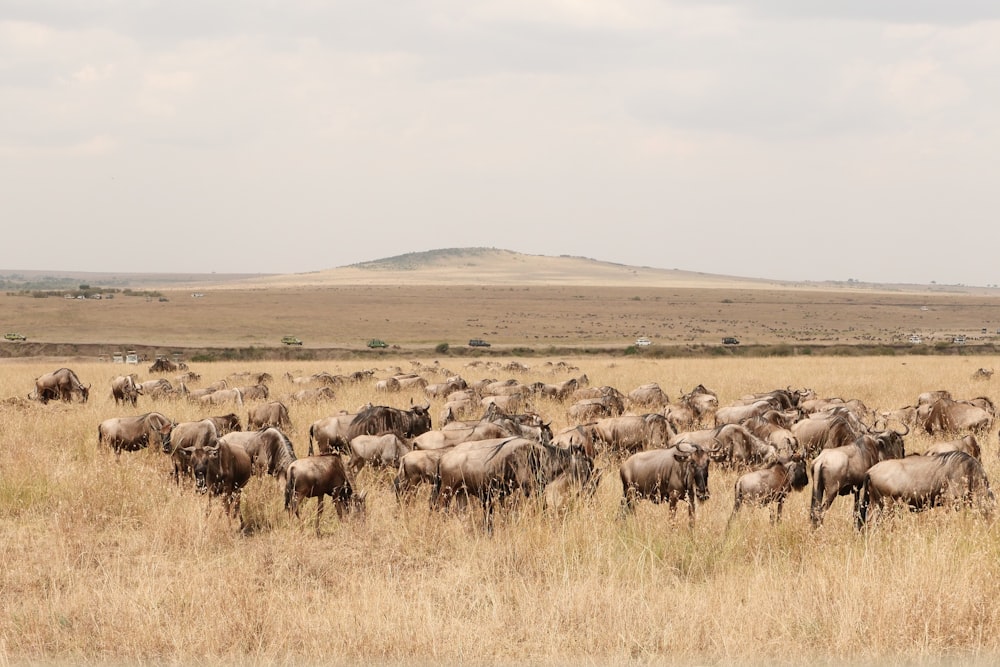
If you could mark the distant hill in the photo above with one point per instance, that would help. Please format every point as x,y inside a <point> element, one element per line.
<point>464,266</point>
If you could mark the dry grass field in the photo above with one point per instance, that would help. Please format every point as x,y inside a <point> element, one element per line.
<point>110,562</point>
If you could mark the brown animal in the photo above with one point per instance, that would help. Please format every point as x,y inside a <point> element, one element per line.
<point>331,434</point>
<point>648,395</point>
<point>131,434</point>
<point>317,477</point>
<point>416,467</point>
<point>273,413</point>
<point>445,438</point>
<point>226,423</point>
<point>125,390</point>
<point>922,482</point>
<point>732,445</point>
<point>380,451</point>
<point>62,384</point>
<point>493,470</point>
<point>621,436</point>
<point>379,419</point>
<point>771,485</point>
<point>313,395</point>
<point>841,470</point>
<point>255,392</point>
<point>967,444</point>
<point>950,416</point>
<point>680,472</point>
<point>222,470</point>
<point>185,437</point>
<point>270,450</point>
<point>223,397</point>
<point>827,430</point>
<point>160,388</point>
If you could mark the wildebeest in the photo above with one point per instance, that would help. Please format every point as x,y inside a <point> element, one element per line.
<point>828,430</point>
<point>841,470</point>
<point>269,449</point>
<point>226,423</point>
<point>620,436</point>
<point>379,419</point>
<point>319,476</point>
<point>254,392</point>
<point>967,444</point>
<point>922,482</point>
<point>732,445</point>
<point>679,472</point>
<point>221,470</point>
<point>379,451</point>
<point>131,434</point>
<point>313,395</point>
<point>125,390</point>
<point>648,395</point>
<point>416,467</point>
<point>492,470</point>
<point>950,416</point>
<point>440,439</point>
<point>331,434</point>
<point>160,388</point>
<point>272,413</point>
<point>771,485</point>
<point>223,397</point>
<point>591,409</point>
<point>164,365</point>
<point>61,384</point>
<point>185,437</point>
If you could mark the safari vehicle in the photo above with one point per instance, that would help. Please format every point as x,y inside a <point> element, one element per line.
<point>291,340</point>
<point>643,342</point>
<point>730,340</point>
<point>376,342</point>
<point>478,342</point>
<point>14,336</point>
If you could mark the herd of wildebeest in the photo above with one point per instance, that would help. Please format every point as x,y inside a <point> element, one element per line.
<point>491,445</point>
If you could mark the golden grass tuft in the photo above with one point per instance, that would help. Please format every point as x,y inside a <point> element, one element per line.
<point>111,562</point>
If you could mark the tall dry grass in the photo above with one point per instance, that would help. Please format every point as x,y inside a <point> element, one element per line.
<point>110,562</point>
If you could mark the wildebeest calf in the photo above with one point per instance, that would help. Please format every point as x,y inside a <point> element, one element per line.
<point>319,476</point>
<point>771,485</point>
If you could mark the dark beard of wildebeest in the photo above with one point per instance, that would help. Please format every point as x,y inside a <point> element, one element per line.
<point>222,470</point>
<point>493,470</point>
<point>61,384</point>
<point>922,482</point>
<point>381,419</point>
<point>841,470</point>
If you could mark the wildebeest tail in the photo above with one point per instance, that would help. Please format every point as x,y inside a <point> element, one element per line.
<point>289,487</point>
<point>863,502</point>
<point>311,427</point>
<point>817,490</point>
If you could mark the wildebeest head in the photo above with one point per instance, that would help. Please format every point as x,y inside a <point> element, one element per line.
<point>202,460</point>
<point>696,459</point>
<point>798,475</point>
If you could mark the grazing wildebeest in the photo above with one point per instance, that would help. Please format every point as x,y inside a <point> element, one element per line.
<point>330,434</point>
<point>125,390</point>
<point>733,445</point>
<point>771,485</point>
<point>222,397</point>
<point>922,482</point>
<point>379,419</point>
<point>625,435</point>
<point>222,470</point>
<point>226,423</point>
<point>380,451</point>
<point>492,470</point>
<point>648,395</point>
<point>319,476</point>
<point>160,388</point>
<point>61,384</point>
<point>841,470</point>
<point>416,467</point>
<point>270,450</point>
<point>680,472</point>
<point>163,365</point>
<point>131,434</point>
<point>313,395</point>
<point>255,392</point>
<point>967,444</point>
<point>272,413</point>
<point>951,416</point>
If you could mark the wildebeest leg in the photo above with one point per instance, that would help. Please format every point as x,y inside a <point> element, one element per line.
<point>776,517</point>
<point>319,512</point>
<point>628,502</point>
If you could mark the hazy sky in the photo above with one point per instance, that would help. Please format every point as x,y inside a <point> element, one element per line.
<point>786,139</point>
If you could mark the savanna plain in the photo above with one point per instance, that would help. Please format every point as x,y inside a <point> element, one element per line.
<point>111,562</point>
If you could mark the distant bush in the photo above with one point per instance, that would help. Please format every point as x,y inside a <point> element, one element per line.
<point>441,348</point>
